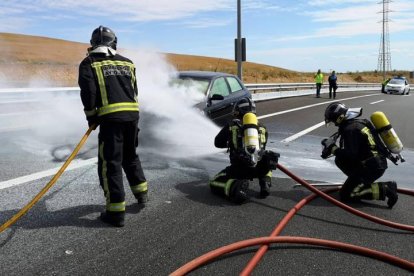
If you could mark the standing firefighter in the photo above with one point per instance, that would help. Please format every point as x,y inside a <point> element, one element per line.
<point>109,94</point>
<point>246,140</point>
<point>359,156</point>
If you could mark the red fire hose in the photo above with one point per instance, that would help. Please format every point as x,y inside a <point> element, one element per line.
<point>344,206</point>
<point>405,264</point>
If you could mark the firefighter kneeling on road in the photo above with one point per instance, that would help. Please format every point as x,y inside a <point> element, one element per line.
<point>358,155</point>
<point>246,140</point>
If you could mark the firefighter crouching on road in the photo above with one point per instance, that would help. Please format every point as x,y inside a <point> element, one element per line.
<point>357,156</point>
<point>109,95</point>
<point>246,140</point>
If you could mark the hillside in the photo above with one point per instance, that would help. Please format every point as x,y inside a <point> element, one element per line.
<point>32,60</point>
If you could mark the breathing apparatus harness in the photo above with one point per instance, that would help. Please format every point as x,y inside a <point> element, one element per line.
<point>248,140</point>
<point>387,142</point>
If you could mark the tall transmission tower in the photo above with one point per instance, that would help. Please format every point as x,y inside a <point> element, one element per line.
<point>384,57</point>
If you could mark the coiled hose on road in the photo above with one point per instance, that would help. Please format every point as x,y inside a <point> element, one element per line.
<point>265,241</point>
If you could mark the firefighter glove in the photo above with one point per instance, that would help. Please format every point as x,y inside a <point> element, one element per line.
<point>93,122</point>
<point>273,158</point>
<point>329,147</point>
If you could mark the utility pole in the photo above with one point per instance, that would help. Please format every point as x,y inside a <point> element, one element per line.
<point>239,42</point>
<point>384,56</point>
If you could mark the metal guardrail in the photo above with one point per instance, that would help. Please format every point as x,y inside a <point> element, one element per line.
<point>35,97</point>
<point>253,87</point>
<point>259,91</point>
<point>269,91</point>
<point>276,87</point>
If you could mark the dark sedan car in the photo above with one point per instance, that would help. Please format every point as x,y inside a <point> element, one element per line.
<point>221,92</point>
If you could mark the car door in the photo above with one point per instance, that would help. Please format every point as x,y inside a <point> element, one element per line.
<point>219,110</point>
<point>237,89</point>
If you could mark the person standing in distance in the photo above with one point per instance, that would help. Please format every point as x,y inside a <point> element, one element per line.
<point>109,95</point>
<point>318,81</point>
<point>332,85</point>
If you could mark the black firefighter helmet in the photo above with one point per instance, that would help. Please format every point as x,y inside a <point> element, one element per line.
<point>244,106</point>
<point>337,113</point>
<point>103,36</point>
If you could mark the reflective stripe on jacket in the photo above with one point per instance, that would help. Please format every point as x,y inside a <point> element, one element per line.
<point>108,87</point>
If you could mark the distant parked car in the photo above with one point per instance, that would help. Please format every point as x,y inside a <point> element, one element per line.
<point>397,85</point>
<point>221,91</point>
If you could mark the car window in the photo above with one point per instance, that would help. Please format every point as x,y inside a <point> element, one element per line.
<point>199,85</point>
<point>234,84</point>
<point>220,87</point>
<point>396,81</point>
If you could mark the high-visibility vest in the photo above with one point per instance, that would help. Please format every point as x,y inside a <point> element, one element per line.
<point>319,78</point>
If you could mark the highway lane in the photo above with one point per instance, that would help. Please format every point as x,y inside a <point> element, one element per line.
<point>305,112</point>
<point>61,235</point>
<point>397,108</point>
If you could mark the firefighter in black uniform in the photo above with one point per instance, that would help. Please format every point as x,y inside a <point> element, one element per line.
<point>357,156</point>
<point>246,141</point>
<point>109,95</point>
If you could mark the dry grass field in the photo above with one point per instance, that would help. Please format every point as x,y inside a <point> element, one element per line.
<point>32,60</point>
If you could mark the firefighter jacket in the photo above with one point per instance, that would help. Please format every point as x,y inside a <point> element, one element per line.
<point>231,137</point>
<point>357,144</point>
<point>108,88</point>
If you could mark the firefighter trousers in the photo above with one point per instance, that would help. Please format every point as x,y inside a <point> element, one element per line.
<point>360,183</point>
<point>117,150</point>
<point>222,182</point>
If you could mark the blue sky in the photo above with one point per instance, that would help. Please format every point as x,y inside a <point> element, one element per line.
<point>300,35</point>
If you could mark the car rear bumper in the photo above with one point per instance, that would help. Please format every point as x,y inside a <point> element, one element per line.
<point>392,91</point>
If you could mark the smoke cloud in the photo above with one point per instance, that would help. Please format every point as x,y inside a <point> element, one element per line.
<point>168,112</point>
<point>53,123</point>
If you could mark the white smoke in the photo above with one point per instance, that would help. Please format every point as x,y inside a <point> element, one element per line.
<point>50,121</point>
<point>169,123</point>
<point>181,128</point>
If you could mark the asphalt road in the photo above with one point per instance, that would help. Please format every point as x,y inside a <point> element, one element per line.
<point>61,235</point>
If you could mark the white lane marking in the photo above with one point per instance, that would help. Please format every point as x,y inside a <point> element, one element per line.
<point>376,102</point>
<point>303,132</point>
<point>312,105</point>
<point>27,178</point>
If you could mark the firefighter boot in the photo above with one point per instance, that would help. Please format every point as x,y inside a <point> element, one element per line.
<point>265,184</point>
<point>391,193</point>
<point>142,197</point>
<point>238,191</point>
<point>116,219</point>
